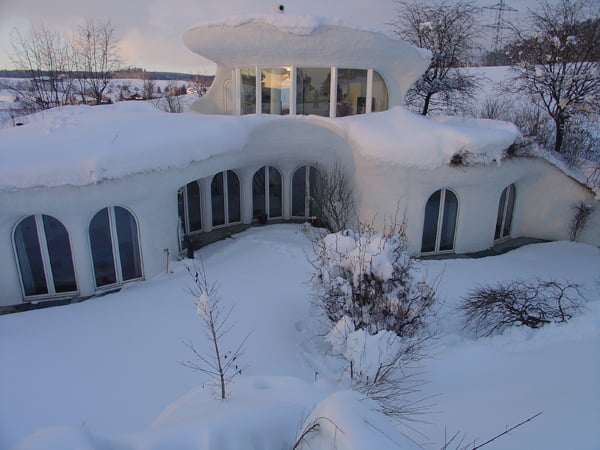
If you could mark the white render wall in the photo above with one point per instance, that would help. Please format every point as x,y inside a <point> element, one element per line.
<point>543,207</point>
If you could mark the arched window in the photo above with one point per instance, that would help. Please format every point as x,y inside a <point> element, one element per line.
<point>225,198</point>
<point>44,255</point>
<point>267,192</point>
<point>115,246</point>
<point>306,186</point>
<point>440,222</point>
<point>190,207</point>
<point>506,205</point>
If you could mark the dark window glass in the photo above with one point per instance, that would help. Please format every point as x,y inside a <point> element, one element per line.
<point>102,251</point>
<point>500,216</point>
<point>275,193</point>
<point>510,204</point>
<point>258,193</point>
<point>59,252</point>
<point>312,91</point>
<point>314,182</point>
<point>233,197</point>
<point>299,192</point>
<point>30,257</point>
<point>129,250</point>
<point>432,210</point>
<point>217,193</point>
<point>181,211</point>
<point>448,221</point>
<point>193,206</point>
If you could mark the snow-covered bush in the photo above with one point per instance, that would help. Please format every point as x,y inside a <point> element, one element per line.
<point>490,309</point>
<point>370,278</point>
<point>381,310</point>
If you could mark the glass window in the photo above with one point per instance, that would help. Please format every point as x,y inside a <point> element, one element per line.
<point>267,192</point>
<point>102,252</point>
<point>225,198</point>
<point>258,193</point>
<point>351,92</point>
<point>44,256</point>
<point>379,101</point>
<point>248,90</point>
<point>306,183</point>
<point>59,254</point>
<point>114,240</point>
<point>439,226</point>
<point>506,205</point>
<point>129,250</point>
<point>275,193</point>
<point>275,91</point>
<point>217,193</point>
<point>233,197</point>
<point>29,255</point>
<point>194,210</point>
<point>312,91</point>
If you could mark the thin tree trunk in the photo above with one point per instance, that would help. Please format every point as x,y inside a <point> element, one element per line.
<point>425,109</point>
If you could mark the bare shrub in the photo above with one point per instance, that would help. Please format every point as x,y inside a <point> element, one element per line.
<point>335,199</point>
<point>219,364</point>
<point>582,213</point>
<point>490,309</point>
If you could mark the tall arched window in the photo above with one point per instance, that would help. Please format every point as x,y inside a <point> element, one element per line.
<point>44,255</point>
<point>225,198</point>
<point>440,222</point>
<point>506,205</point>
<point>267,192</point>
<point>115,246</point>
<point>190,207</point>
<point>306,186</point>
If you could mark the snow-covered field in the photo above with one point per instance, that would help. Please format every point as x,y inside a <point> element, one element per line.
<point>104,373</point>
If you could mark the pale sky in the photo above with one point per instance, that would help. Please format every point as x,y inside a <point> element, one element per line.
<point>150,31</point>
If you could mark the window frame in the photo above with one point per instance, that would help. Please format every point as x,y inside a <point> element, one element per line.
<point>46,261</point>
<point>267,192</point>
<point>440,222</point>
<point>112,223</point>
<point>511,188</point>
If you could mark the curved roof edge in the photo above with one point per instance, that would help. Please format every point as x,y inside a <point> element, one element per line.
<point>277,40</point>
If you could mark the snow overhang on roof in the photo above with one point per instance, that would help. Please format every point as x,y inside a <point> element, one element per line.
<point>280,40</point>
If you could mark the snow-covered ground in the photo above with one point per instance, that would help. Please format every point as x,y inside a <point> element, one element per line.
<point>104,373</point>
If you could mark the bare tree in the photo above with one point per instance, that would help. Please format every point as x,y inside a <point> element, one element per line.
<point>46,59</point>
<point>557,63</point>
<point>217,363</point>
<point>170,100</point>
<point>96,57</point>
<point>449,30</point>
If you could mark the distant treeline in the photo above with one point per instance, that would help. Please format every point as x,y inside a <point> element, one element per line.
<point>131,73</point>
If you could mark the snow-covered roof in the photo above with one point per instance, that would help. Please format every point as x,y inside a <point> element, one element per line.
<point>280,40</point>
<point>80,145</point>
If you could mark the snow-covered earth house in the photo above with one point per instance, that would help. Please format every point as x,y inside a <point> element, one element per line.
<point>94,197</point>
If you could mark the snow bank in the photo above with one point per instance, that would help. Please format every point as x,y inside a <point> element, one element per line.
<point>80,145</point>
<point>399,136</point>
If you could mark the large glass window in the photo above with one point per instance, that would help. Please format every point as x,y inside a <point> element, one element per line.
<point>44,256</point>
<point>190,207</point>
<point>267,192</point>
<point>312,91</point>
<point>275,83</point>
<point>379,101</point>
<point>225,198</point>
<point>439,226</point>
<point>506,205</point>
<point>248,91</point>
<point>351,92</point>
<point>115,246</point>
<point>306,187</point>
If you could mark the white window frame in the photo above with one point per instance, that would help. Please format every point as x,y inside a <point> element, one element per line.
<point>440,222</point>
<point>226,199</point>
<point>41,235</point>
